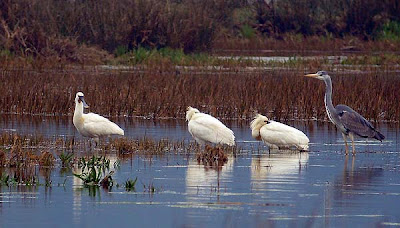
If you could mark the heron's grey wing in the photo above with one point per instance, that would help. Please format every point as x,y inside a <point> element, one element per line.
<point>354,122</point>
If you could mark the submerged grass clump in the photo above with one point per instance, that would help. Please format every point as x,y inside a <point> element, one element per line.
<point>66,159</point>
<point>130,185</point>
<point>46,159</point>
<point>212,156</point>
<point>93,169</point>
<point>148,146</point>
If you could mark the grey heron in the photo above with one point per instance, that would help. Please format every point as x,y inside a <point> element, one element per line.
<point>348,121</point>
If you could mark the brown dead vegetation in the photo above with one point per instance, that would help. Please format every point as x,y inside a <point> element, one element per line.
<point>281,94</point>
<point>212,156</point>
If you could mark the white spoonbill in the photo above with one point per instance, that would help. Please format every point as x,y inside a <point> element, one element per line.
<point>278,135</point>
<point>207,129</point>
<point>92,125</point>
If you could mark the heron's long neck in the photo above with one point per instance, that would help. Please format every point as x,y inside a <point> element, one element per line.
<point>328,99</point>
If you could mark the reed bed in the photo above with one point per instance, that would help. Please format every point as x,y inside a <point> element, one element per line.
<point>232,93</point>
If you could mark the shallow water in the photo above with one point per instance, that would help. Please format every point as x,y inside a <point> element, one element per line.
<point>322,187</point>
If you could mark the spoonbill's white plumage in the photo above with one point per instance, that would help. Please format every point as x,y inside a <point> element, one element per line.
<point>92,125</point>
<point>207,129</point>
<point>278,135</point>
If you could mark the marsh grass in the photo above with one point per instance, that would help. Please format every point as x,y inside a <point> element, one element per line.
<point>21,162</point>
<point>46,159</point>
<point>384,59</point>
<point>390,31</point>
<point>281,93</point>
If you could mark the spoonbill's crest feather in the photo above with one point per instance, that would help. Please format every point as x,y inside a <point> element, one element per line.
<point>278,135</point>
<point>206,128</point>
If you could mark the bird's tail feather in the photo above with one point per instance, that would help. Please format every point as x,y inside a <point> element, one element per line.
<point>379,136</point>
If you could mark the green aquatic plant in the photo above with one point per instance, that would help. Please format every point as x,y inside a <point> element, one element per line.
<point>66,159</point>
<point>92,170</point>
<point>100,162</point>
<point>149,188</point>
<point>4,179</point>
<point>390,31</point>
<point>107,181</point>
<point>247,31</point>
<point>90,177</point>
<point>130,184</point>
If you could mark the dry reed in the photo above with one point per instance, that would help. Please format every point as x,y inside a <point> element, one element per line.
<point>235,94</point>
<point>212,156</point>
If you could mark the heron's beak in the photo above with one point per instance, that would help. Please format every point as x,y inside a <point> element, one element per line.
<point>84,102</point>
<point>311,75</point>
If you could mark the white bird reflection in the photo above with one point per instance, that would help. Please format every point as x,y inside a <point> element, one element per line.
<point>201,180</point>
<point>271,169</point>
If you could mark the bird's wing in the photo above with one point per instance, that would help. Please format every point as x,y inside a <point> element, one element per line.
<point>354,122</point>
<point>98,125</point>
<point>93,118</point>
<point>282,135</point>
<point>208,128</point>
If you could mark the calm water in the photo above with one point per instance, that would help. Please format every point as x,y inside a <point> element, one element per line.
<point>320,188</point>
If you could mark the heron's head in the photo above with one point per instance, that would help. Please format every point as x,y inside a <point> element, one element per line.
<point>190,112</point>
<point>321,75</point>
<point>80,98</point>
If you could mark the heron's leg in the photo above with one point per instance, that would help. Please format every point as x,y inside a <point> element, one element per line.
<point>352,143</point>
<point>345,143</point>
<point>352,164</point>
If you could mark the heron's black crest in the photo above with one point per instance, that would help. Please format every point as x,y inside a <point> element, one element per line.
<point>322,73</point>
